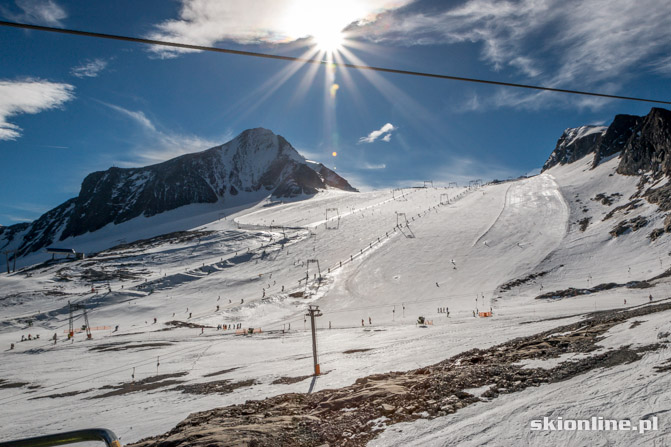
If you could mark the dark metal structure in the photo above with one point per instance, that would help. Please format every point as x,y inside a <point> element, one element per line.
<point>71,437</point>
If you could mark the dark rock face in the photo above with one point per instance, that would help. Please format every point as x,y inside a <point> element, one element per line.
<point>649,147</point>
<point>255,161</point>
<point>616,137</point>
<point>644,144</point>
<point>575,144</point>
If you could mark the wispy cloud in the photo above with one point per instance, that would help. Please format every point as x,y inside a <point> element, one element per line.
<point>28,96</point>
<point>584,45</point>
<point>17,219</point>
<point>159,145</point>
<point>205,22</point>
<point>373,166</point>
<point>37,12</point>
<point>384,132</point>
<point>89,68</point>
<point>136,115</point>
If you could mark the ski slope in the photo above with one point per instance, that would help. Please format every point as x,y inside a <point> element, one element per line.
<point>404,254</point>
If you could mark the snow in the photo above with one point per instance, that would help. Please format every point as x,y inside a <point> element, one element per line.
<point>456,255</point>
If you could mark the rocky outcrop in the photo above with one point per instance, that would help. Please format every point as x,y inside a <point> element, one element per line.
<point>574,144</point>
<point>649,146</point>
<point>643,142</point>
<point>616,136</point>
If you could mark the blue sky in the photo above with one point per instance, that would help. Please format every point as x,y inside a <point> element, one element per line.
<point>73,105</point>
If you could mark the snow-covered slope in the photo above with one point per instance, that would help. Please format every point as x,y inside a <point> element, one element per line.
<point>539,252</point>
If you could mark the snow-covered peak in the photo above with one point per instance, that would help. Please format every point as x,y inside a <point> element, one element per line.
<point>575,133</point>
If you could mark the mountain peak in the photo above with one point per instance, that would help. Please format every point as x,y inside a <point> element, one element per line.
<point>251,166</point>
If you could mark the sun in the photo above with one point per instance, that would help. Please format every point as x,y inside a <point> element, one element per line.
<point>329,40</point>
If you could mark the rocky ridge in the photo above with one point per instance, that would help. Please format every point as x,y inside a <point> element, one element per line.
<point>255,163</point>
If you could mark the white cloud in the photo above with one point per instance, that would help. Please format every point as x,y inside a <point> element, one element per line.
<point>89,69</point>
<point>385,130</point>
<point>37,12</point>
<point>18,219</point>
<point>28,96</point>
<point>138,116</point>
<point>373,166</point>
<point>205,22</point>
<point>570,44</point>
<point>159,145</point>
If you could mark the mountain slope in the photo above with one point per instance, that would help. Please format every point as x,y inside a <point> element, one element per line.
<point>254,164</point>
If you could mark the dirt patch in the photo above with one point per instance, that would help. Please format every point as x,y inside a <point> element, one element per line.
<point>218,373</point>
<point>626,208</point>
<point>4,384</point>
<point>317,419</point>
<point>571,292</point>
<point>583,223</point>
<point>607,199</point>
<point>664,367</point>
<point>216,387</point>
<point>124,347</point>
<point>354,351</point>
<point>54,396</point>
<point>289,380</point>
<point>623,227</point>
<point>148,384</point>
<point>177,323</point>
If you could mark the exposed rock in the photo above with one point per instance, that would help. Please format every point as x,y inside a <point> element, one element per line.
<point>574,144</point>
<point>623,227</point>
<point>583,223</point>
<point>616,137</point>
<point>649,146</point>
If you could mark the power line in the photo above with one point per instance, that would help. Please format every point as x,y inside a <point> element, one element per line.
<point>319,61</point>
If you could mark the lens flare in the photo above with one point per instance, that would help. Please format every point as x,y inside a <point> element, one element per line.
<point>334,90</point>
<point>335,154</point>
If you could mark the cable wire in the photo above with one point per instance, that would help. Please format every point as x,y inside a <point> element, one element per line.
<point>319,61</point>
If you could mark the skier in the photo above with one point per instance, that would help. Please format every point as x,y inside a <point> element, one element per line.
<point>361,324</point>
<point>370,321</point>
<point>217,308</point>
<point>189,314</point>
<point>650,297</point>
<point>625,301</point>
<point>437,285</point>
<point>155,320</point>
<point>11,346</point>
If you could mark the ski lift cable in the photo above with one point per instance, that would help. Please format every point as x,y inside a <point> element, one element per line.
<point>320,61</point>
